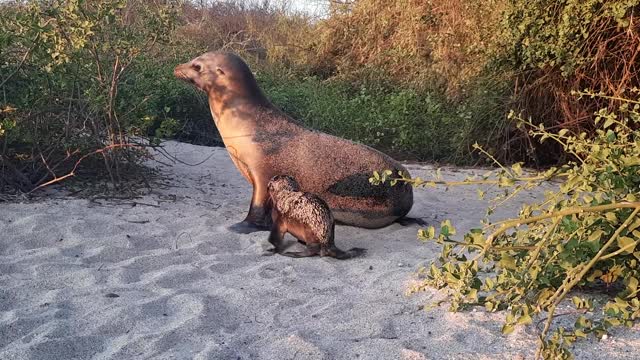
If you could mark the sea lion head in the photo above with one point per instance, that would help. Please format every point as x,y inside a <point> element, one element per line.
<point>280,183</point>
<point>220,74</point>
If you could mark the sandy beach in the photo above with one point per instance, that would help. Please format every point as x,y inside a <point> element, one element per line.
<point>161,277</point>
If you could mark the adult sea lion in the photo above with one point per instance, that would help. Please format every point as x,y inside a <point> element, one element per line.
<point>305,216</point>
<point>263,142</point>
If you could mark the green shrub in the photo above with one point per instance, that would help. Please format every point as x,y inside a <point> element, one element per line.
<point>565,34</point>
<point>437,45</point>
<point>66,66</point>
<point>583,235</point>
<point>558,47</point>
<point>168,109</point>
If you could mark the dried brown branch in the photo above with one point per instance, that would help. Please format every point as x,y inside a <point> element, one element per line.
<point>102,151</point>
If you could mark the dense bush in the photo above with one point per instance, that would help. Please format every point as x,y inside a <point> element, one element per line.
<point>413,106</point>
<point>167,108</point>
<point>558,47</point>
<point>421,84</point>
<point>437,44</point>
<point>64,68</point>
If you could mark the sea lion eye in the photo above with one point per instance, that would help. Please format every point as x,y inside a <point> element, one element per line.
<point>196,67</point>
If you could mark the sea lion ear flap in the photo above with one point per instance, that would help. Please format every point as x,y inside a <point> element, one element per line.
<point>219,71</point>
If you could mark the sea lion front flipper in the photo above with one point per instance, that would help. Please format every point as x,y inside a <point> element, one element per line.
<point>258,218</point>
<point>276,237</point>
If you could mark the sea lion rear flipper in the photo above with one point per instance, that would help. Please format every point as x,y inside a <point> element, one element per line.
<point>344,255</point>
<point>301,254</point>
<point>309,251</point>
<point>406,221</point>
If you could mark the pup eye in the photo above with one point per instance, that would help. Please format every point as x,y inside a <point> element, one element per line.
<point>196,67</point>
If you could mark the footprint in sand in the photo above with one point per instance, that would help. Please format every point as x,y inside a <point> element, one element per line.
<point>177,278</point>
<point>270,271</point>
<point>222,267</point>
<point>288,312</point>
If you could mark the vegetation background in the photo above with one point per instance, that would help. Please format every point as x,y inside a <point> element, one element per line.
<point>420,79</point>
<point>455,81</point>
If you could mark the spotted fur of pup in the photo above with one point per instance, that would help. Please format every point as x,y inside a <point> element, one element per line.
<point>306,211</point>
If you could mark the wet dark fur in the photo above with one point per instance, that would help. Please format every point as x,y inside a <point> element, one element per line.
<point>305,216</point>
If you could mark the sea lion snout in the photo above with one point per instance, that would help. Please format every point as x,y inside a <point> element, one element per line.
<point>185,72</point>
<point>196,72</point>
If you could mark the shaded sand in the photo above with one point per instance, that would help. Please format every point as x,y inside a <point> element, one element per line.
<point>162,278</point>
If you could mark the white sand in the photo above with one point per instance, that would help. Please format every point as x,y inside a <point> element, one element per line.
<point>188,288</point>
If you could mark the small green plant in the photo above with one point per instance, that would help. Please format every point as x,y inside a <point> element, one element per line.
<point>584,235</point>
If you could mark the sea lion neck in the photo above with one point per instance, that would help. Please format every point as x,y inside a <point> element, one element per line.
<point>223,100</point>
<point>225,108</point>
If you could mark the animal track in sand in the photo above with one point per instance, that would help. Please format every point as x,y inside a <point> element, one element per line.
<point>222,267</point>
<point>107,254</point>
<point>180,277</point>
<point>270,271</point>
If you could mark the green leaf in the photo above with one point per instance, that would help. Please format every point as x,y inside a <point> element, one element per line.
<point>505,181</point>
<point>517,168</point>
<point>507,329</point>
<point>608,122</point>
<point>632,285</point>
<point>626,243</point>
<point>447,229</point>
<point>524,320</point>
<point>489,306</point>
<point>507,262</point>
<point>596,235</point>
<point>580,333</point>
<point>427,234</point>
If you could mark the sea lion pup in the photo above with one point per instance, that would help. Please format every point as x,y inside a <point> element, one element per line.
<point>263,141</point>
<point>305,216</point>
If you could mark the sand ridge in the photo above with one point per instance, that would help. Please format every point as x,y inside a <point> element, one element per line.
<point>163,278</point>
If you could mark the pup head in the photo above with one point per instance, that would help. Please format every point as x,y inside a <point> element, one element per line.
<point>282,183</point>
